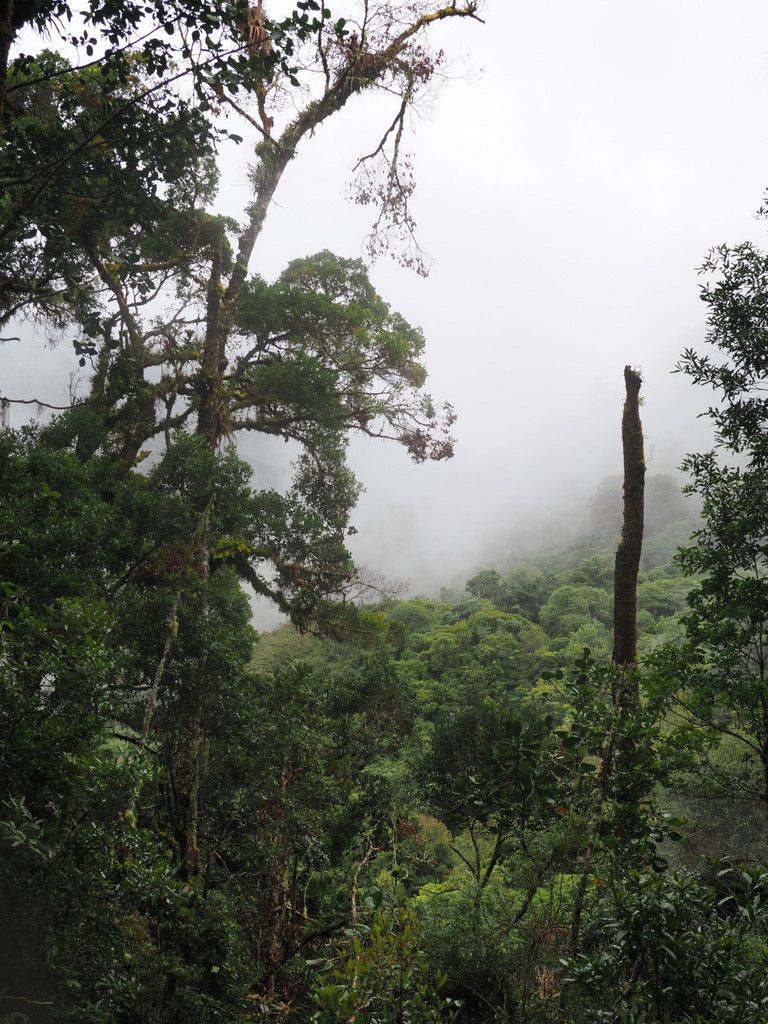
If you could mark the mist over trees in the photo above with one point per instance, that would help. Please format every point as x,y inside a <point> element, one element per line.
<point>510,804</point>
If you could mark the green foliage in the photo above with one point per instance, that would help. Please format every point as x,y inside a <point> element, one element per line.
<point>472,651</point>
<point>284,647</point>
<point>417,614</point>
<point>662,595</point>
<point>500,778</point>
<point>524,591</point>
<point>353,361</point>
<point>665,950</point>
<point>383,975</point>
<point>613,731</point>
<point>572,606</point>
<point>114,148</point>
<point>176,834</point>
<point>717,674</point>
<point>85,118</point>
<point>498,946</point>
<point>197,868</point>
<point>736,319</point>
<point>485,584</point>
<point>88,890</point>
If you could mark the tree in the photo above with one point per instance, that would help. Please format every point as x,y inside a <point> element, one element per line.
<point>111,109</point>
<point>111,238</point>
<point>631,543</point>
<point>221,350</point>
<point>664,951</point>
<point>101,146</point>
<point>135,26</point>
<point>493,773</point>
<point>485,585</point>
<point>308,359</point>
<point>571,606</point>
<point>158,803</point>
<point>718,675</point>
<point>383,973</point>
<point>80,879</point>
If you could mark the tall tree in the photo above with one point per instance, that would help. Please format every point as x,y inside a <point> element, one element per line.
<point>182,64</point>
<point>113,239</point>
<point>618,782</point>
<point>720,674</point>
<point>122,229</point>
<point>93,137</point>
<point>631,543</point>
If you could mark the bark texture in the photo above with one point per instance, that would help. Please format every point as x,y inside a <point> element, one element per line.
<point>627,564</point>
<point>615,768</point>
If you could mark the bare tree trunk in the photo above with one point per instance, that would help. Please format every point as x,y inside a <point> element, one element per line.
<point>626,688</point>
<point>631,543</point>
<point>616,758</point>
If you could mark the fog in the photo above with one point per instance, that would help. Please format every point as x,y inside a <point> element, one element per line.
<point>573,173</point>
<point>569,186</point>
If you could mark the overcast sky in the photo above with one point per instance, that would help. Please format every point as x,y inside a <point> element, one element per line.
<point>569,185</point>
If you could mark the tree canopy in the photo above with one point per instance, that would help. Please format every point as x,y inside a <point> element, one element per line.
<point>125,667</point>
<point>112,240</point>
<point>414,810</point>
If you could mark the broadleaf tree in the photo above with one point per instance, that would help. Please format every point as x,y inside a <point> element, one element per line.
<point>111,239</point>
<point>719,675</point>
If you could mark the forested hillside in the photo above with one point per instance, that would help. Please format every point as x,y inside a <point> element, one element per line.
<point>514,803</point>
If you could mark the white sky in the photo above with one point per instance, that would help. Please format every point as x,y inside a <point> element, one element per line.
<point>567,195</point>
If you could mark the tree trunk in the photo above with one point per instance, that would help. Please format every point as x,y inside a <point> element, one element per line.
<point>187,780</point>
<point>617,756</point>
<point>191,741</point>
<point>630,546</point>
<point>7,34</point>
<point>13,16</point>
<point>274,155</point>
<point>626,688</point>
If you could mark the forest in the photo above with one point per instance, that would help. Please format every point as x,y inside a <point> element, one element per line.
<point>539,796</point>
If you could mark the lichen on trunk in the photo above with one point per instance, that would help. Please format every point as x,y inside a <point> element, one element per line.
<point>627,564</point>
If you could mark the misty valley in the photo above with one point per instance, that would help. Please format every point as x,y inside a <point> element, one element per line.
<point>537,794</point>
